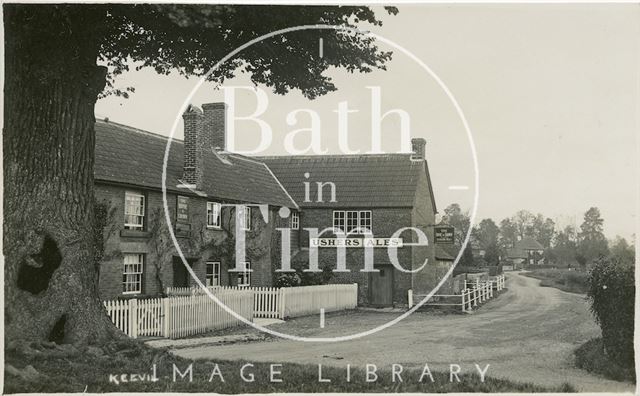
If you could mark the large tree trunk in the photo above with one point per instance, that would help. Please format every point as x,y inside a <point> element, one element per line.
<point>51,85</point>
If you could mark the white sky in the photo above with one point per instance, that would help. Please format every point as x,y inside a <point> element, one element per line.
<point>550,93</point>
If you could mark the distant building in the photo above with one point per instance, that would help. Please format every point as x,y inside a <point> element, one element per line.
<point>526,251</point>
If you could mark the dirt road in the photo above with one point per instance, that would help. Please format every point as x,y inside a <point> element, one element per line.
<point>528,334</point>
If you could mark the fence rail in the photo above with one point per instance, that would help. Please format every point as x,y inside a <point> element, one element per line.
<point>474,293</point>
<point>187,311</point>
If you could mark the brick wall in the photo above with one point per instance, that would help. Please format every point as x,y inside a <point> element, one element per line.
<point>385,222</point>
<point>423,217</point>
<point>201,245</point>
<point>214,126</point>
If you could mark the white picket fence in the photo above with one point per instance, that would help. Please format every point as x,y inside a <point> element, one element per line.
<point>473,294</point>
<point>188,311</point>
<point>175,317</point>
<point>307,300</point>
<point>191,315</point>
<point>290,302</point>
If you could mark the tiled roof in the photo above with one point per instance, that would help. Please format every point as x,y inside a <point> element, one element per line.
<point>521,247</point>
<point>374,180</point>
<point>131,156</point>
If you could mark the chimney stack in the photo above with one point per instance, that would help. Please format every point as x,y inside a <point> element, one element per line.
<point>194,146</point>
<point>418,149</point>
<point>215,125</point>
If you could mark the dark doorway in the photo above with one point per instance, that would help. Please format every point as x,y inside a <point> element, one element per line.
<point>381,286</point>
<point>181,277</point>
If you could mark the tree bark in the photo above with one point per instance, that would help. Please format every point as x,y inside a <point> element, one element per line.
<point>51,86</point>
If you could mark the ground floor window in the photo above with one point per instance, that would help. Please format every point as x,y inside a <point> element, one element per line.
<point>244,278</point>
<point>212,276</point>
<point>132,273</point>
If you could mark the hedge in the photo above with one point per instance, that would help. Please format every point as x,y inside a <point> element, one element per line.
<point>612,293</point>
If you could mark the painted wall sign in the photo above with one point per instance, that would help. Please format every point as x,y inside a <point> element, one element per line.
<point>356,242</point>
<point>444,234</point>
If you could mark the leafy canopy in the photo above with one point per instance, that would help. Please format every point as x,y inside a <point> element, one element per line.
<point>191,39</point>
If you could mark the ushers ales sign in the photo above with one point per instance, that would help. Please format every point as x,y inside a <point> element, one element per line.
<point>356,242</point>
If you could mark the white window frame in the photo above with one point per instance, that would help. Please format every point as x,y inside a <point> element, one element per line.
<point>213,275</point>
<point>132,273</point>
<point>127,210</point>
<point>365,221</point>
<point>354,221</point>
<point>246,218</point>
<point>214,214</point>
<point>245,275</point>
<point>295,221</point>
<point>339,220</point>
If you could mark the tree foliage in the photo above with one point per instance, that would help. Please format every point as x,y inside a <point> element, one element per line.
<point>592,243</point>
<point>565,246</point>
<point>192,38</point>
<point>622,251</point>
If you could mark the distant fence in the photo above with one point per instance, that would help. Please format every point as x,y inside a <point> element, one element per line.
<point>473,293</point>
<point>189,311</point>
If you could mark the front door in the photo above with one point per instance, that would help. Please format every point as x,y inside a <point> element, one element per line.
<point>381,286</point>
<point>180,274</point>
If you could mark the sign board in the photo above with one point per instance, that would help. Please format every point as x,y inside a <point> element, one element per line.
<point>444,234</point>
<point>183,210</point>
<point>356,242</point>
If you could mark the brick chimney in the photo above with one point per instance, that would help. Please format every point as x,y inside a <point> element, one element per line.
<point>215,125</point>
<point>418,149</point>
<point>194,145</point>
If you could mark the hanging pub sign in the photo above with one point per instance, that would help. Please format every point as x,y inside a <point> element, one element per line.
<point>444,234</point>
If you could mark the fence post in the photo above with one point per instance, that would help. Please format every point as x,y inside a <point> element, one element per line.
<point>281,301</point>
<point>464,308</point>
<point>166,324</point>
<point>410,298</point>
<point>475,297</point>
<point>490,290</point>
<point>133,318</point>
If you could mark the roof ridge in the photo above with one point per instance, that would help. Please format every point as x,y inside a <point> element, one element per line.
<point>107,121</point>
<point>318,156</point>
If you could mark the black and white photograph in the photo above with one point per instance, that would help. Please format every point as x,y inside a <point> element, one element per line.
<point>320,197</point>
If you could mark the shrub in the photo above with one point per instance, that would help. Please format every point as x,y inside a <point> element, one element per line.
<point>590,356</point>
<point>611,293</point>
<point>299,263</point>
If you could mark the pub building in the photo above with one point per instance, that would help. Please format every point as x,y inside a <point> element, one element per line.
<point>382,193</point>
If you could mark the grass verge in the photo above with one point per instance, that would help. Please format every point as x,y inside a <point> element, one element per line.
<point>571,281</point>
<point>52,368</point>
<point>590,356</point>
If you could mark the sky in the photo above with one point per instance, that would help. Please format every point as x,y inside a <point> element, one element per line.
<point>549,91</point>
